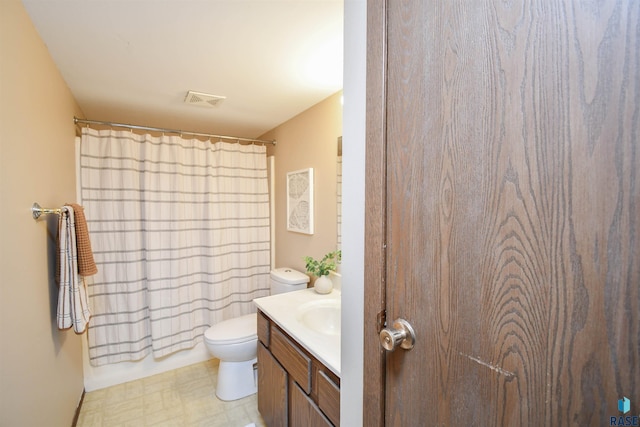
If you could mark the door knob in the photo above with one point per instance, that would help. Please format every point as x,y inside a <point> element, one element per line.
<point>401,334</point>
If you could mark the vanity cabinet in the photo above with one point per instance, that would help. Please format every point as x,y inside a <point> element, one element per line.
<point>294,388</point>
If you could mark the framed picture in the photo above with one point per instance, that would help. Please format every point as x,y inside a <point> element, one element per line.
<point>300,201</point>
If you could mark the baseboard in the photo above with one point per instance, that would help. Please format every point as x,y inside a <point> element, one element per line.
<point>78,409</point>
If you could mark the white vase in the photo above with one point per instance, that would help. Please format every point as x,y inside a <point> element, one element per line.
<point>323,285</point>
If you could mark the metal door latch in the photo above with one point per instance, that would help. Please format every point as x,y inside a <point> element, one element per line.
<point>401,335</point>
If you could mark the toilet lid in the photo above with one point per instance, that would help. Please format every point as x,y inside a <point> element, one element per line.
<point>236,330</point>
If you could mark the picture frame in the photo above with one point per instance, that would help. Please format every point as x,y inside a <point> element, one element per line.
<point>300,201</point>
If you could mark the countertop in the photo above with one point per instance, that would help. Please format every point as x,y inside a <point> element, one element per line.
<point>282,309</point>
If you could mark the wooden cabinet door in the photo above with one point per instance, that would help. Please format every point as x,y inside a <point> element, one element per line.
<point>303,412</point>
<point>272,389</point>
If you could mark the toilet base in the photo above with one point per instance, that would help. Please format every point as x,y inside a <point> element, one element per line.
<point>236,380</point>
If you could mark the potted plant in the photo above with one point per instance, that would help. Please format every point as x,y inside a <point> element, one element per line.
<point>321,270</point>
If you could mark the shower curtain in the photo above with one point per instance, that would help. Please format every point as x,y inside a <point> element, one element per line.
<point>180,232</point>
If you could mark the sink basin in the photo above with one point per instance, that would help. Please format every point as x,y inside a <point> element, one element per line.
<point>321,316</point>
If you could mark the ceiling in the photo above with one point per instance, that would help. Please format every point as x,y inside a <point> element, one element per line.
<point>133,61</point>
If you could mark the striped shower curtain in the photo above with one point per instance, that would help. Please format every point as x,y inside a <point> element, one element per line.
<point>180,232</point>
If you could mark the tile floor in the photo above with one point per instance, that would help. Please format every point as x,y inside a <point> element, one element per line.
<point>183,397</point>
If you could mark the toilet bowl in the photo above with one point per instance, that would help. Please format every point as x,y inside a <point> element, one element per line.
<point>235,341</point>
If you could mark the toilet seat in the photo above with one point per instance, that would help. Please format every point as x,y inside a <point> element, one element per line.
<point>233,331</point>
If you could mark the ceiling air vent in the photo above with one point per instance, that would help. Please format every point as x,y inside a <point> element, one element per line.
<point>203,99</point>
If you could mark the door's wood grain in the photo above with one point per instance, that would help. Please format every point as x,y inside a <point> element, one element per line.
<point>375,231</point>
<point>512,210</point>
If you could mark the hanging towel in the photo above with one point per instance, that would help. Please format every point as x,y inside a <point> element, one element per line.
<point>73,306</point>
<point>86,264</point>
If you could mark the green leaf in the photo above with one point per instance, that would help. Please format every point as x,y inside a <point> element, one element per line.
<point>323,267</point>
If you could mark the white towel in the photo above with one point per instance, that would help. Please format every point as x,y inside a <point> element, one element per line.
<point>73,306</point>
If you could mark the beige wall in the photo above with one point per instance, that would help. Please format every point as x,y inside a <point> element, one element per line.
<point>40,367</point>
<point>309,140</point>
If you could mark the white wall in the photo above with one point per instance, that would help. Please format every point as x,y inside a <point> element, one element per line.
<point>353,157</point>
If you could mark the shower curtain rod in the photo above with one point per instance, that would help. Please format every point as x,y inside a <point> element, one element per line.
<point>181,132</point>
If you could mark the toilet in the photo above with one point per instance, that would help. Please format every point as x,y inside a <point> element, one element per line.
<point>235,341</point>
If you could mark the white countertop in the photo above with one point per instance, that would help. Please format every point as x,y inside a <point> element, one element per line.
<point>282,309</point>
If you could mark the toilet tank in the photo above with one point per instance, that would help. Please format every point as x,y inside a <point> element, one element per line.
<point>286,280</point>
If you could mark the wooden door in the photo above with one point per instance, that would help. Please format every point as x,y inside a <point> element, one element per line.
<point>503,211</point>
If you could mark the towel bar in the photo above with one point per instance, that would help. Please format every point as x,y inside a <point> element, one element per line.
<point>36,210</point>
